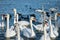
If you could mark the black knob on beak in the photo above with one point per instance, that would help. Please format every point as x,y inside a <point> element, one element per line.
<point>47,14</point>
<point>10,16</point>
<point>52,11</point>
<point>19,14</point>
<point>5,18</point>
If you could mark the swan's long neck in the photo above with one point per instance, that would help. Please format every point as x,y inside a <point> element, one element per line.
<point>15,14</point>
<point>51,29</point>
<point>55,16</point>
<point>2,22</point>
<point>56,21</point>
<point>7,21</point>
<point>44,26</point>
<point>44,18</point>
<point>31,26</point>
<point>45,33</point>
<point>17,18</point>
<point>16,21</point>
<point>18,30</point>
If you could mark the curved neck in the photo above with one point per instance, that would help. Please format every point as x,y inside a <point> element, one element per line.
<point>31,26</point>
<point>7,22</point>
<point>45,33</point>
<point>17,18</point>
<point>15,15</point>
<point>51,29</point>
<point>56,20</point>
<point>55,16</point>
<point>2,21</point>
<point>17,27</point>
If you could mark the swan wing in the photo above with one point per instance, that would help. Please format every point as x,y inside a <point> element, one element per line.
<point>47,37</point>
<point>39,27</point>
<point>23,23</point>
<point>10,33</point>
<point>27,33</point>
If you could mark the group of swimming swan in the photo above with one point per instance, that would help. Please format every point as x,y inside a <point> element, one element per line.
<point>28,31</point>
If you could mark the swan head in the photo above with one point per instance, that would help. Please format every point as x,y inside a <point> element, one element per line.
<point>40,11</point>
<point>33,18</point>
<point>14,10</point>
<point>5,16</point>
<point>53,10</point>
<point>46,22</point>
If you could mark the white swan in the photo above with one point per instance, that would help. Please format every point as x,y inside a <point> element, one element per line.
<point>53,31</point>
<point>9,33</point>
<point>39,27</point>
<point>18,26</point>
<point>15,15</point>
<point>18,32</point>
<point>21,24</point>
<point>27,32</point>
<point>46,35</point>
